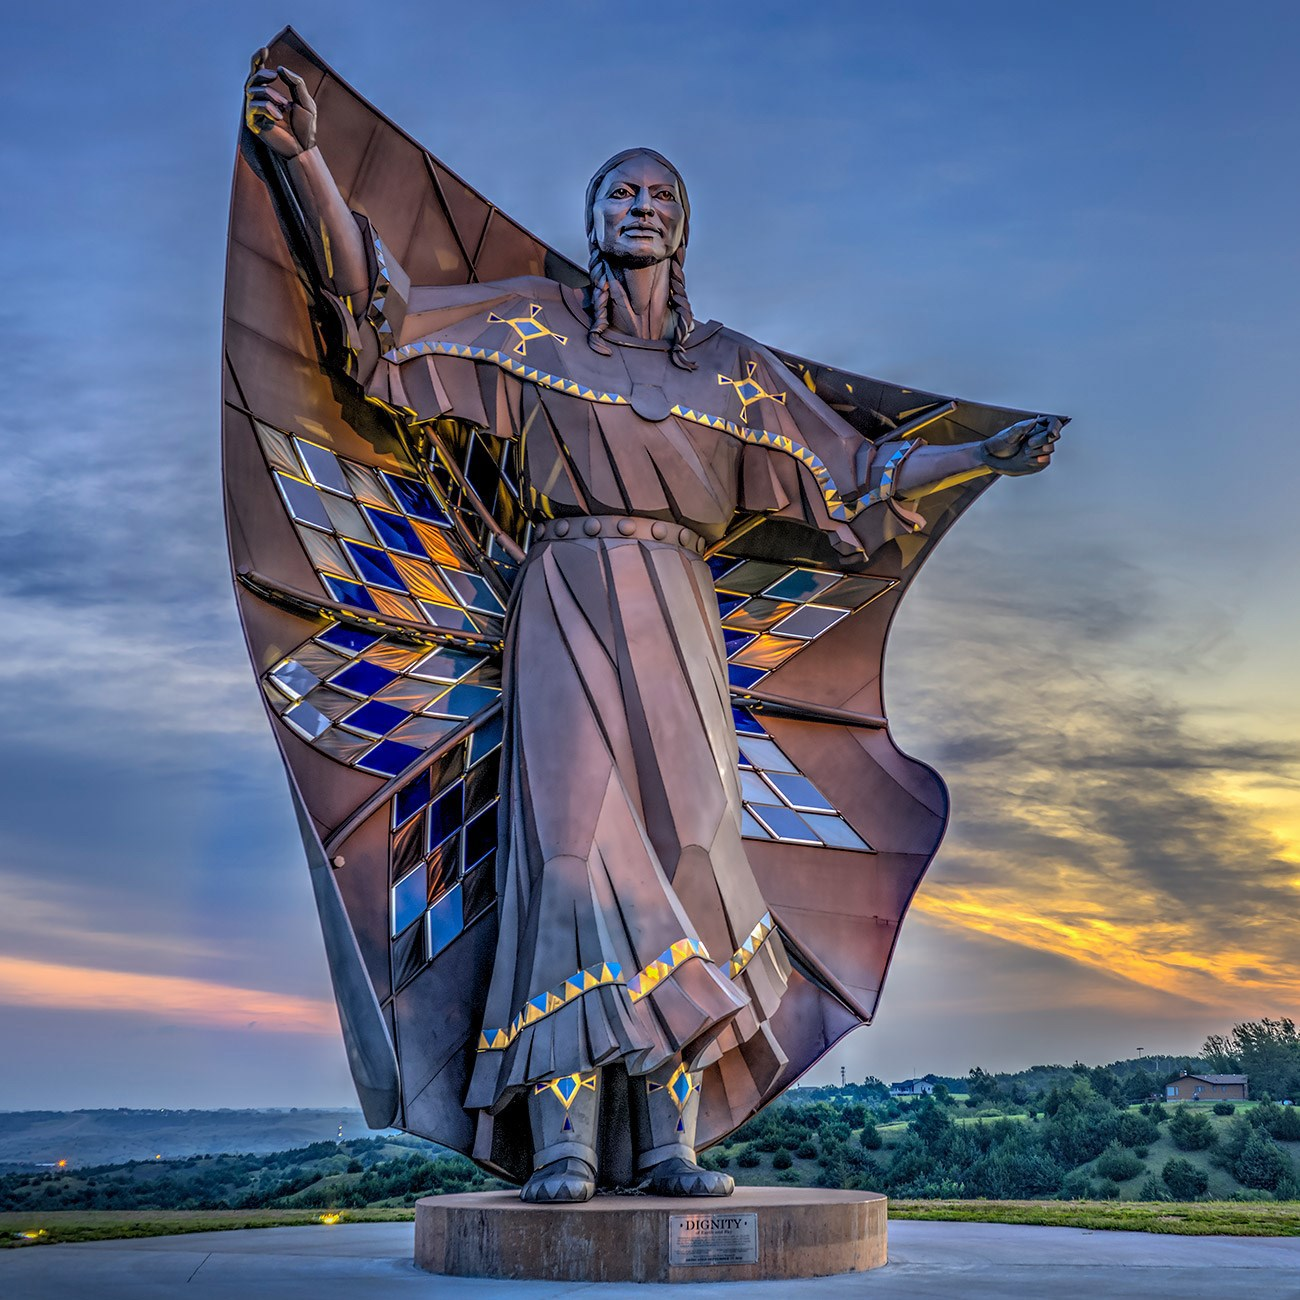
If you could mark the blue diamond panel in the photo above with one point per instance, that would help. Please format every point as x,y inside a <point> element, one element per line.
<point>388,758</point>
<point>394,531</point>
<point>446,921</point>
<point>415,499</point>
<point>409,899</point>
<point>363,678</point>
<point>349,640</point>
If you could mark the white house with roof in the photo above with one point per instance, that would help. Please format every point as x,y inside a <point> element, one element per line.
<point>911,1088</point>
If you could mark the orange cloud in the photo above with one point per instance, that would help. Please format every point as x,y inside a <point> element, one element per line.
<point>1178,958</point>
<point>171,998</point>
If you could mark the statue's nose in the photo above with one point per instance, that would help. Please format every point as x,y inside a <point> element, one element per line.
<point>641,205</point>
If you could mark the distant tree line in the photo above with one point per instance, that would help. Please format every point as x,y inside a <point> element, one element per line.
<point>1052,1131</point>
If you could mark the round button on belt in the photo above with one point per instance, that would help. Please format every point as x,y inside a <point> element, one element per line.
<point>592,527</point>
<point>562,528</point>
<point>627,527</point>
<point>659,530</point>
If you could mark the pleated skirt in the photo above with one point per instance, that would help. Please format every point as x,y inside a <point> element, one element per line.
<point>625,896</point>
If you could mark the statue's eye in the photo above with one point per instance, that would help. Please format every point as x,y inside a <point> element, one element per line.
<point>668,196</point>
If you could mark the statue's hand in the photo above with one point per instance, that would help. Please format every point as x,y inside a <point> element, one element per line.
<point>1024,448</point>
<point>287,123</point>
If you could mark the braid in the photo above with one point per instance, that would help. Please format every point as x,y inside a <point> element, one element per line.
<point>599,305</point>
<point>681,306</point>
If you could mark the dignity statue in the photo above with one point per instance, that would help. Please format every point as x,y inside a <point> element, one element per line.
<point>569,612</point>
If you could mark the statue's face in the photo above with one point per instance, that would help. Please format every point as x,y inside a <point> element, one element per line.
<point>638,213</point>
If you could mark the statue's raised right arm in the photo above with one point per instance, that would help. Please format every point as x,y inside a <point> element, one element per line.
<point>286,124</point>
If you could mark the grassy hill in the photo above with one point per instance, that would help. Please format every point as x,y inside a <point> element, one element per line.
<point>384,1172</point>
<point>96,1137</point>
<point>781,1153</point>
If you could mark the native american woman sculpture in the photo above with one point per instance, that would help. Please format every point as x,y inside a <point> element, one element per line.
<point>569,611</point>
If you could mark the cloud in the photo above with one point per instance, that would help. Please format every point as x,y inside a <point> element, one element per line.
<point>80,674</point>
<point>171,999</point>
<point>1098,814</point>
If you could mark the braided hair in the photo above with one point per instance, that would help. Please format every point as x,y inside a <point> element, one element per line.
<point>602,276</point>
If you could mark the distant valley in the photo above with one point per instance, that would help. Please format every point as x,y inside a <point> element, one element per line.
<point>101,1137</point>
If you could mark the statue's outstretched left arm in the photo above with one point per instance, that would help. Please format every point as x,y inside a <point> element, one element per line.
<point>916,471</point>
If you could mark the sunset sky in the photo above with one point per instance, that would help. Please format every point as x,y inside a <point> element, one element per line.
<point>1090,209</point>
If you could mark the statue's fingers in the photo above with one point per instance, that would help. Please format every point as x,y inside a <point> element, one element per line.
<point>297,88</point>
<point>263,78</point>
<point>258,59</point>
<point>265,95</point>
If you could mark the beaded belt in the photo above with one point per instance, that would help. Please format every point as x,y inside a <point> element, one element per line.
<point>581,528</point>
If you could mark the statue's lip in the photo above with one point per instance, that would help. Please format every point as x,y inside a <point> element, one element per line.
<point>641,230</point>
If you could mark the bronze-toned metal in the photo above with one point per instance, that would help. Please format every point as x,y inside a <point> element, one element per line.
<point>569,612</point>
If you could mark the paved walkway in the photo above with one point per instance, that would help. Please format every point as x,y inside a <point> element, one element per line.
<point>367,1261</point>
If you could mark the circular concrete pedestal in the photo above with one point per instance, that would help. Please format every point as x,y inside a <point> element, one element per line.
<point>758,1234</point>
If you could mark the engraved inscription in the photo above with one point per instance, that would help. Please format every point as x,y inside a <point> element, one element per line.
<point>701,1239</point>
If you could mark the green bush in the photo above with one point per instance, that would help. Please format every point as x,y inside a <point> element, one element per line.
<point>1107,1190</point>
<point>1153,1189</point>
<point>781,1159</point>
<point>871,1138</point>
<point>1141,1152</point>
<point>1262,1163</point>
<point>748,1159</point>
<point>806,1151</point>
<point>1132,1130</point>
<point>1191,1130</point>
<point>1286,1128</point>
<point>1224,1108</point>
<point>1184,1180</point>
<point>1118,1165</point>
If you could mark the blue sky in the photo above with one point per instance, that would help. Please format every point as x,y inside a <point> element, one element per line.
<point>1081,209</point>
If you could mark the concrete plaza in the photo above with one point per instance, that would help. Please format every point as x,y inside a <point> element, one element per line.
<point>941,1260</point>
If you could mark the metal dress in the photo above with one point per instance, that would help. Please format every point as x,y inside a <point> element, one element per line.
<point>631,927</point>
<point>695,832</point>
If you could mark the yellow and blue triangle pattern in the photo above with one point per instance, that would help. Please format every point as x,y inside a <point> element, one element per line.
<point>755,940</point>
<point>566,1087</point>
<point>680,1087</point>
<point>544,1004</point>
<point>644,981</point>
